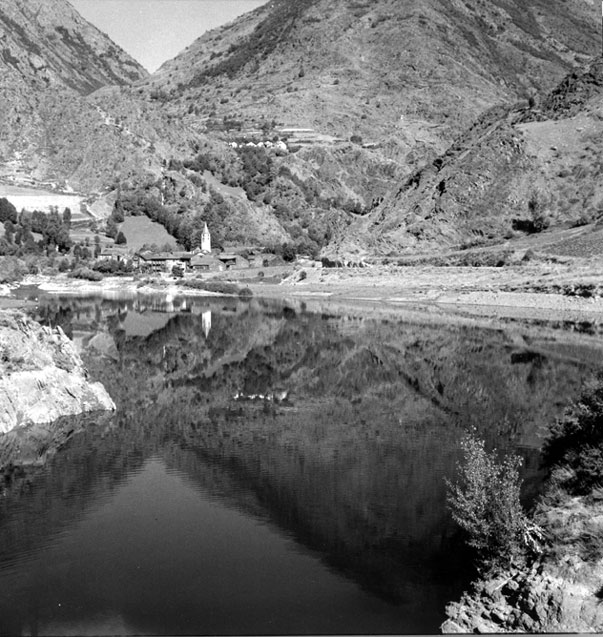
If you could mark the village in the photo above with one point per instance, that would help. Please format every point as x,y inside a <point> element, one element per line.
<point>177,262</point>
<point>204,259</point>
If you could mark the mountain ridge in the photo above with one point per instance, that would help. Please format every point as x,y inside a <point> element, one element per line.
<point>380,69</point>
<point>49,43</point>
<point>383,89</point>
<point>517,170</point>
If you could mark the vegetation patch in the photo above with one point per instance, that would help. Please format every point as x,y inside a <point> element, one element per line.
<point>485,504</point>
<point>218,287</point>
<point>141,230</point>
<point>86,273</point>
<point>574,449</point>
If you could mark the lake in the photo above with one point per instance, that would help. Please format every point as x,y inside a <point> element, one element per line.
<point>272,468</point>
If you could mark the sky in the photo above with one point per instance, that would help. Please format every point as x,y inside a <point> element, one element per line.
<point>153,31</point>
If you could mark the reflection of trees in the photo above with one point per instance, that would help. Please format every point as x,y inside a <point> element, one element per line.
<point>353,467</point>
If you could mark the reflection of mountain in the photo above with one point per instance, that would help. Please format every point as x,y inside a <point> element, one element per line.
<point>352,464</point>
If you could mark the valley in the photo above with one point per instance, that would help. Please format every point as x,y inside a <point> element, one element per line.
<point>303,257</point>
<point>352,117</point>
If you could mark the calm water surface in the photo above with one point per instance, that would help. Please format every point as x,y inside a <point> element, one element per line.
<point>270,468</point>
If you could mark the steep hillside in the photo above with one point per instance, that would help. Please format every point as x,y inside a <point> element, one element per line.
<point>378,70</point>
<point>50,44</point>
<point>50,59</point>
<point>343,99</point>
<point>363,94</point>
<point>514,172</point>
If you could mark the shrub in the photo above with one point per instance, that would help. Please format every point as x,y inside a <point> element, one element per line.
<point>86,274</point>
<point>220,287</point>
<point>575,442</point>
<point>245,293</point>
<point>486,504</point>
<point>12,269</point>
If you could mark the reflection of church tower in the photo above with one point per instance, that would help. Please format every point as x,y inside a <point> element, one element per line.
<point>205,239</point>
<point>206,322</point>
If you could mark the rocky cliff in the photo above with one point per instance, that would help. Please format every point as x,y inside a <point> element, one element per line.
<point>41,375</point>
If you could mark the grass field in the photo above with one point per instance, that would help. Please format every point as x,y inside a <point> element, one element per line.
<point>138,231</point>
<point>141,230</point>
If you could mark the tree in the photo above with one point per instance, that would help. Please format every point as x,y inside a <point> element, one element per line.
<point>288,252</point>
<point>9,230</point>
<point>486,504</point>
<point>67,218</point>
<point>25,219</point>
<point>56,234</point>
<point>7,211</point>
<point>118,212</point>
<point>38,221</point>
<point>120,239</point>
<point>28,243</point>
<point>574,445</point>
<point>111,230</point>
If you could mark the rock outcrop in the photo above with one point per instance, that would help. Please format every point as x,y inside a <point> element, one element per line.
<point>41,375</point>
<point>561,593</point>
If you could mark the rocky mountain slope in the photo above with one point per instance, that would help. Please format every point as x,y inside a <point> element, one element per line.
<point>398,79</point>
<point>50,59</point>
<point>49,43</point>
<point>516,171</point>
<point>41,375</point>
<point>383,88</point>
<point>412,72</point>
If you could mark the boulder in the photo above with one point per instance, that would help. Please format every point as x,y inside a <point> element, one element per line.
<point>41,375</point>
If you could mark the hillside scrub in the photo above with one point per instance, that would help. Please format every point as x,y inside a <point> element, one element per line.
<point>486,505</point>
<point>12,269</point>
<point>574,448</point>
<point>219,287</point>
<point>559,591</point>
<point>85,273</point>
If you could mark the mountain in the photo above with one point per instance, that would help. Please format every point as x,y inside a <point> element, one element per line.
<point>50,59</point>
<point>362,95</point>
<point>378,89</point>
<point>408,73</point>
<point>516,171</point>
<point>46,42</point>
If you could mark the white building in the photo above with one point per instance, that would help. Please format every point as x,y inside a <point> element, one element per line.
<point>205,240</point>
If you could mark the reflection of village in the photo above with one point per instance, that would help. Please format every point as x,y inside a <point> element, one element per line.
<point>204,335</point>
<point>140,316</point>
<point>97,326</point>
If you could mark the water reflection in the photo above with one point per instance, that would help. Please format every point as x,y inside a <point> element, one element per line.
<point>270,469</point>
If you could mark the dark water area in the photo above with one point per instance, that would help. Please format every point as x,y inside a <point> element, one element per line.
<point>272,468</point>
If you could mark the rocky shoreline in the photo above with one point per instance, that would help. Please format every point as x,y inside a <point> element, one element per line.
<point>41,375</point>
<point>561,592</point>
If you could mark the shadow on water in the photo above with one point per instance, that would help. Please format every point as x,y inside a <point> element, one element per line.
<point>332,431</point>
